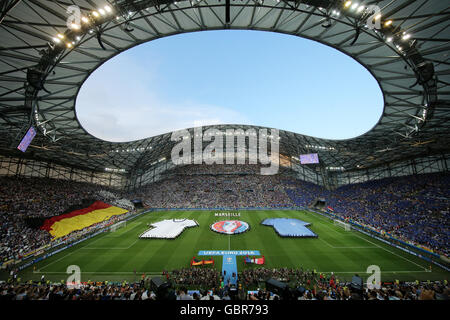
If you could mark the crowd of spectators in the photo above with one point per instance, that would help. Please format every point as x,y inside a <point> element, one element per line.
<point>215,187</point>
<point>57,292</point>
<point>22,199</point>
<point>414,208</point>
<point>302,193</point>
<point>198,277</point>
<point>302,284</point>
<point>213,169</point>
<point>311,285</point>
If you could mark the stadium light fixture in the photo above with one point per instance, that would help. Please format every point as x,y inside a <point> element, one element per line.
<point>56,40</point>
<point>347,4</point>
<point>406,36</point>
<point>108,9</point>
<point>85,19</point>
<point>59,35</point>
<point>95,14</point>
<point>75,26</point>
<point>102,11</point>
<point>360,8</point>
<point>354,6</point>
<point>388,23</point>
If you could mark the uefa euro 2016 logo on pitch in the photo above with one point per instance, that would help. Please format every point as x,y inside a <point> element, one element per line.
<point>230,226</point>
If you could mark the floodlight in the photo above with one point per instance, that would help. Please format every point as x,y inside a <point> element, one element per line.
<point>74,26</point>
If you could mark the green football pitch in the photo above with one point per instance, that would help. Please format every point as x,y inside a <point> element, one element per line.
<point>115,256</point>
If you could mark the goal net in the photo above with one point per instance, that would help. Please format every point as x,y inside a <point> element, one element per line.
<point>117,226</point>
<point>342,224</point>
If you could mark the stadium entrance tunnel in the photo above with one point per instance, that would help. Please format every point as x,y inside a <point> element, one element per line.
<point>229,77</point>
<point>319,204</point>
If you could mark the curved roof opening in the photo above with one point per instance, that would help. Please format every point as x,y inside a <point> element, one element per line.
<point>229,77</point>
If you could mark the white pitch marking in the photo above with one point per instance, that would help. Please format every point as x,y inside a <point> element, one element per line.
<point>392,253</point>
<point>347,247</point>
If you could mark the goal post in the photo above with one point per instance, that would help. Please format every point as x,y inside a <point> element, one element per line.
<point>117,226</point>
<point>342,224</point>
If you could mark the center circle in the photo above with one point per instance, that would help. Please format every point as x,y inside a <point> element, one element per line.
<point>230,226</point>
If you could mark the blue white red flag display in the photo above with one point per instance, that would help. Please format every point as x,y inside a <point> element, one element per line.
<point>254,260</point>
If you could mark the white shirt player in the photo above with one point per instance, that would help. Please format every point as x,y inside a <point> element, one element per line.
<point>168,229</point>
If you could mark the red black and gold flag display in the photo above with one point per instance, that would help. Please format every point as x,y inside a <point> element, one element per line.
<point>62,225</point>
<point>198,262</point>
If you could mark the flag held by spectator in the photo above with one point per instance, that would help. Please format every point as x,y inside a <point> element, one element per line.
<point>254,260</point>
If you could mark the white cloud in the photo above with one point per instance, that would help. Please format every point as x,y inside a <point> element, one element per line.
<point>120,109</point>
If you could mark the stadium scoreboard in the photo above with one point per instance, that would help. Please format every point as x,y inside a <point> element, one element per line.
<point>26,140</point>
<point>309,158</point>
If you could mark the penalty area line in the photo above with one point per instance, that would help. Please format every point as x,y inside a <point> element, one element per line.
<point>114,248</point>
<point>75,250</point>
<point>331,246</point>
<point>119,234</point>
<point>395,254</point>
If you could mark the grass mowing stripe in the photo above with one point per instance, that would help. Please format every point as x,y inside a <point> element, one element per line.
<point>348,247</point>
<point>273,240</point>
<point>355,234</point>
<point>71,251</point>
<point>380,258</point>
<point>182,249</point>
<point>162,250</point>
<point>392,253</point>
<point>350,253</point>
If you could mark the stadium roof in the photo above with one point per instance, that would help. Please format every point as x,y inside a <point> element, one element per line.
<point>46,54</point>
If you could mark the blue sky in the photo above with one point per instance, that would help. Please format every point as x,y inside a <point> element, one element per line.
<point>229,77</point>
